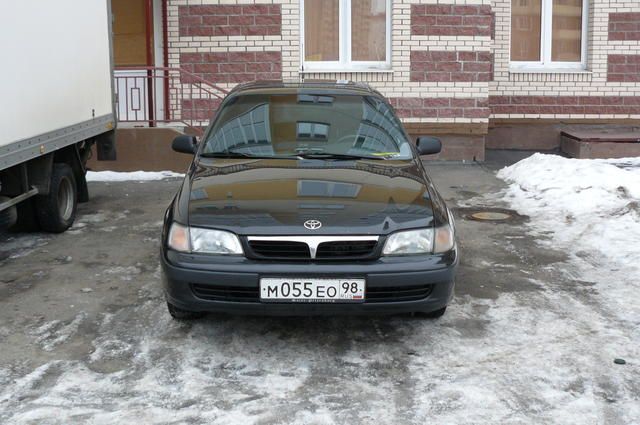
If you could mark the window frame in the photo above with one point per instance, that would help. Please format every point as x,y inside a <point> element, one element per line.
<point>546,40</point>
<point>344,63</point>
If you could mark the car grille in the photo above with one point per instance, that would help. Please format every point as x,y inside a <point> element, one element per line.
<point>345,249</point>
<point>397,293</point>
<point>372,294</point>
<point>280,249</point>
<point>300,248</point>
<point>225,293</point>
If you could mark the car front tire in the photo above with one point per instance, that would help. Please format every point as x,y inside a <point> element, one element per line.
<point>180,314</point>
<point>432,314</point>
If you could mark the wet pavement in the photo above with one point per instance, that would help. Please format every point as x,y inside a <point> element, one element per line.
<point>85,336</point>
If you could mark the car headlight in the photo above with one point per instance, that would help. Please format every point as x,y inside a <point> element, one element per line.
<point>195,239</point>
<point>421,241</point>
<point>409,242</point>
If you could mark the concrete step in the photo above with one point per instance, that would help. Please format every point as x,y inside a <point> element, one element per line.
<point>145,149</point>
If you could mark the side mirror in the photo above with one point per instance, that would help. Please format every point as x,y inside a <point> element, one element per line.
<point>428,145</point>
<point>184,144</point>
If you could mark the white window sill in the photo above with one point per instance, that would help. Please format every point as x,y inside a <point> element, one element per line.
<point>345,71</point>
<point>549,71</point>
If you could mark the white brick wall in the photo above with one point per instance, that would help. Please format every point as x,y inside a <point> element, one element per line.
<point>592,82</point>
<point>393,83</point>
<point>396,82</point>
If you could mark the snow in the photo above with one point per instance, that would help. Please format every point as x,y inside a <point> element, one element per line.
<point>590,208</point>
<point>115,176</point>
<point>588,205</point>
<point>522,365</point>
<point>54,333</point>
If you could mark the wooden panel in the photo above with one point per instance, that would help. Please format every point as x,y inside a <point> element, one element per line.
<point>599,136</point>
<point>496,122</point>
<point>577,149</point>
<point>130,32</point>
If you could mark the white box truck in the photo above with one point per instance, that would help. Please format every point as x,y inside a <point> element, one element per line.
<point>56,101</point>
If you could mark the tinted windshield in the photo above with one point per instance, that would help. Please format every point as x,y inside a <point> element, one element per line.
<point>284,125</point>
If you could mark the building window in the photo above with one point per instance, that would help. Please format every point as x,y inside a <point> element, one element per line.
<point>312,130</point>
<point>548,34</point>
<point>343,35</point>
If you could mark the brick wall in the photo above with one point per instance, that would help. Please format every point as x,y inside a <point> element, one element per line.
<point>456,32</point>
<point>609,78</point>
<point>440,107</point>
<point>624,68</point>
<point>450,59</point>
<point>624,26</point>
<point>233,67</point>
<point>229,20</point>
<point>565,105</point>
<point>226,43</point>
<point>199,35</point>
<point>450,66</point>
<point>450,20</point>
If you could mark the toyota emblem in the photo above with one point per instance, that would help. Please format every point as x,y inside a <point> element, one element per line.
<point>312,224</point>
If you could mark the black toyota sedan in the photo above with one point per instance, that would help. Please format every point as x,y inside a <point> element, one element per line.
<point>307,199</point>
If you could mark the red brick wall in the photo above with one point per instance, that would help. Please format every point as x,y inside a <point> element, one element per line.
<point>450,66</point>
<point>225,20</point>
<point>233,67</point>
<point>445,19</point>
<point>565,105</point>
<point>416,107</point>
<point>624,68</point>
<point>624,26</point>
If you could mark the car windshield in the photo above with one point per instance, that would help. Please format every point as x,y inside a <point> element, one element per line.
<point>308,126</point>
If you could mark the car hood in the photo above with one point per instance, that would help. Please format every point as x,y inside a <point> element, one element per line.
<point>276,197</point>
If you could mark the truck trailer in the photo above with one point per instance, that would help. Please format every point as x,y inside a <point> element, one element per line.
<point>56,102</point>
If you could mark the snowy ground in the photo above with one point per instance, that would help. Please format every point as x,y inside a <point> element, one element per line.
<point>590,209</point>
<point>543,307</point>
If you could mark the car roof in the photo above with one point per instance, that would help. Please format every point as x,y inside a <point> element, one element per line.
<point>309,86</point>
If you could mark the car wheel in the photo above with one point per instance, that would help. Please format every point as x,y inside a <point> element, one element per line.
<point>57,210</point>
<point>180,314</point>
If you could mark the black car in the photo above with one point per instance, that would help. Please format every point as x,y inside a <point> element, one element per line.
<point>307,199</point>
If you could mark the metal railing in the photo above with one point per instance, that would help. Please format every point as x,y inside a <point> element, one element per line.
<point>149,96</point>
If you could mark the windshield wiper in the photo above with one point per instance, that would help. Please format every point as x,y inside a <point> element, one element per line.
<point>236,154</point>
<point>329,155</point>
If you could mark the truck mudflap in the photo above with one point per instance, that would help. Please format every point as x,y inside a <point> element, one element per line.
<point>106,146</point>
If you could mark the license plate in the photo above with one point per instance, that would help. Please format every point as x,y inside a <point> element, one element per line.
<point>312,290</point>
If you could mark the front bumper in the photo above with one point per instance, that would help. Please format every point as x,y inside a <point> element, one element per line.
<point>181,271</point>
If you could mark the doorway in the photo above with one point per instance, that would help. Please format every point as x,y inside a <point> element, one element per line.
<point>138,47</point>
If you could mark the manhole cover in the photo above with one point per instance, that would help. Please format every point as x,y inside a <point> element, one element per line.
<point>490,216</point>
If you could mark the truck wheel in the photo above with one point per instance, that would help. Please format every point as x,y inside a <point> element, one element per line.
<point>57,210</point>
<point>9,216</point>
<point>180,314</point>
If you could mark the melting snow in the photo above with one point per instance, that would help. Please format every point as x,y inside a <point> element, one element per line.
<point>591,205</point>
<point>591,209</point>
<point>55,332</point>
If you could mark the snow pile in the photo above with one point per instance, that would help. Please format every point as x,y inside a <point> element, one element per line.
<point>115,176</point>
<point>590,207</point>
